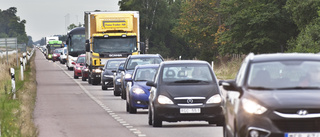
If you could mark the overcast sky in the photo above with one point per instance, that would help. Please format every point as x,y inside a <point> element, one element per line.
<point>51,17</point>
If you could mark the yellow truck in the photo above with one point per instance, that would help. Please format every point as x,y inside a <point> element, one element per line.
<point>109,35</point>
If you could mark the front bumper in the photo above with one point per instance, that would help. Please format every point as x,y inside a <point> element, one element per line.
<point>208,112</point>
<point>139,100</point>
<point>107,81</point>
<point>273,125</point>
<point>77,71</point>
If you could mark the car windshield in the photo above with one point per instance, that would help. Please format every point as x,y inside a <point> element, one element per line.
<point>284,75</point>
<point>112,64</point>
<point>145,74</point>
<point>81,60</point>
<point>58,51</point>
<point>187,73</point>
<point>133,62</point>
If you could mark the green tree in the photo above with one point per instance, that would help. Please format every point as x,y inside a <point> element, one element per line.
<point>11,26</point>
<point>157,18</point>
<point>72,26</point>
<point>198,24</point>
<point>262,26</point>
<point>305,14</point>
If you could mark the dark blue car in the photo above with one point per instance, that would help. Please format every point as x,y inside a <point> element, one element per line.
<point>137,90</point>
<point>131,62</point>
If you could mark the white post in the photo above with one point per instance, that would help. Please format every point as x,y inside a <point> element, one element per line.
<point>212,63</point>
<point>24,60</point>
<point>28,55</point>
<point>179,57</point>
<point>21,68</point>
<point>13,83</point>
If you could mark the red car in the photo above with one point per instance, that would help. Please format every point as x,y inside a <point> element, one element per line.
<point>56,54</point>
<point>78,66</point>
<point>85,73</point>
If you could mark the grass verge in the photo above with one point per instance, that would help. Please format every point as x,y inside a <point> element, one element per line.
<point>16,115</point>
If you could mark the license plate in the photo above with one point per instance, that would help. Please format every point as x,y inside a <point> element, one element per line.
<point>314,134</point>
<point>98,76</point>
<point>189,110</point>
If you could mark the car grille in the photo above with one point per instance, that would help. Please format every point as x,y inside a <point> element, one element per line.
<point>300,125</point>
<point>189,100</point>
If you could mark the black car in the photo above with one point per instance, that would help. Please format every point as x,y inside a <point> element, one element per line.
<point>131,62</point>
<point>117,80</point>
<point>274,95</point>
<point>185,91</point>
<point>107,74</point>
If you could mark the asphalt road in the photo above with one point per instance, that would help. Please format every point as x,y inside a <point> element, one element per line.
<point>67,107</point>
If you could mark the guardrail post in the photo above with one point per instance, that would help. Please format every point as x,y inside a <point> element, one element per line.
<point>13,83</point>
<point>21,68</point>
<point>24,60</point>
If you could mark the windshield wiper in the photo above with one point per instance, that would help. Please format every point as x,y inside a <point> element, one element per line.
<point>190,81</point>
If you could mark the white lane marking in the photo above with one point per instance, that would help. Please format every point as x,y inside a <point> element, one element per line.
<point>107,109</point>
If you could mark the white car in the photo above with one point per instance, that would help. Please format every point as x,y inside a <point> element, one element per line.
<point>69,64</point>
<point>63,56</point>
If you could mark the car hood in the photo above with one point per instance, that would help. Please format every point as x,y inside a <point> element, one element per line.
<point>107,72</point>
<point>286,98</point>
<point>186,90</point>
<point>142,84</point>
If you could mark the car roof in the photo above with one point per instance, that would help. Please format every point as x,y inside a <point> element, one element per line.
<point>144,56</point>
<point>148,66</point>
<point>82,55</point>
<point>283,57</point>
<point>184,62</point>
<point>120,59</point>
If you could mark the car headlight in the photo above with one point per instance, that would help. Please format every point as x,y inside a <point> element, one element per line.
<point>86,69</point>
<point>127,76</point>
<point>138,91</point>
<point>253,107</point>
<point>164,100</point>
<point>54,55</point>
<point>214,99</point>
<point>118,80</point>
<point>96,70</point>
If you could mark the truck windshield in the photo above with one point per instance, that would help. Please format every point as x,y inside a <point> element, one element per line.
<point>52,47</point>
<point>115,45</point>
<point>77,43</point>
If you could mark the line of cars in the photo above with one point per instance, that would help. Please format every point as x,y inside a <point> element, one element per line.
<point>272,94</point>
<point>171,90</point>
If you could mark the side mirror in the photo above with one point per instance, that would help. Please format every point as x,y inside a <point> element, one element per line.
<point>151,84</point>
<point>61,53</point>
<point>121,68</point>
<point>230,85</point>
<point>128,79</point>
<point>81,64</point>
<point>87,45</point>
<point>73,63</point>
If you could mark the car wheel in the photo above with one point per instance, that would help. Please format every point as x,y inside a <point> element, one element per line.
<point>127,107</point>
<point>156,122</point>
<point>132,110</point>
<point>116,92</point>
<point>104,87</point>
<point>75,77</point>
<point>149,117</point>
<point>123,95</point>
<point>83,79</point>
<point>53,60</point>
